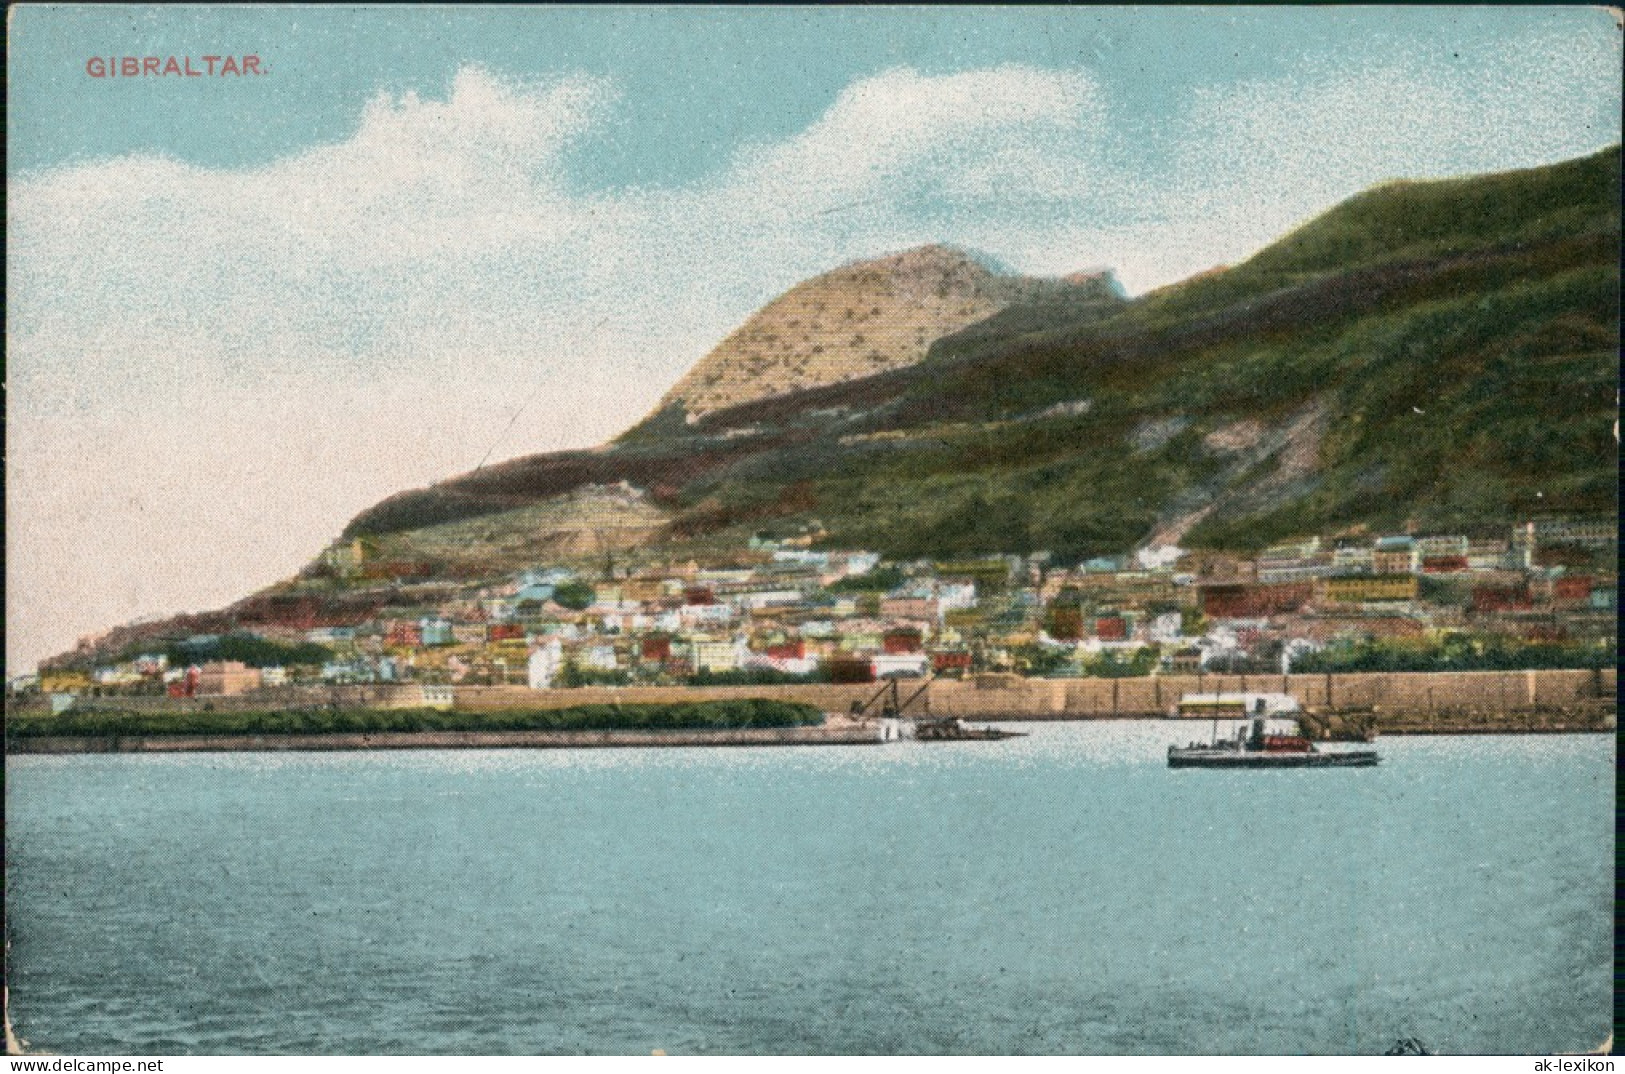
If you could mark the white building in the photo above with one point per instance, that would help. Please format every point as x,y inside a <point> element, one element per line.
<point>1166,627</point>
<point>545,661</point>
<point>802,557</point>
<point>772,598</point>
<point>790,665</point>
<point>899,665</point>
<point>862,562</point>
<point>953,596</point>
<point>1158,557</point>
<point>705,614</point>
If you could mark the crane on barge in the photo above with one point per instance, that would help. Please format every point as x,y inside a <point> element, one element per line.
<point>890,706</point>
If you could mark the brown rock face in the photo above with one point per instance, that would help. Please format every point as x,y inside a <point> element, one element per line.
<point>860,319</point>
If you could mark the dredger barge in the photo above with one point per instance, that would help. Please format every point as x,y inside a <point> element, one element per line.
<point>889,705</point>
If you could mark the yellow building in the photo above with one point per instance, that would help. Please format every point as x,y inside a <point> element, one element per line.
<point>715,656</point>
<point>63,682</point>
<point>1362,588</point>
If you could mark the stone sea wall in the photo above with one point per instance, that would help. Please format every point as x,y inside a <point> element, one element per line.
<point>1395,695</point>
<point>843,735</point>
<point>1013,698</point>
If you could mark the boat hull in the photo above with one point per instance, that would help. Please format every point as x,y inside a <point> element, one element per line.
<point>1203,758</point>
<point>966,734</point>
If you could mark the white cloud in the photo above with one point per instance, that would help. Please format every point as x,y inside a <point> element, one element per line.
<point>1256,159</point>
<point>195,352</point>
<point>965,136</point>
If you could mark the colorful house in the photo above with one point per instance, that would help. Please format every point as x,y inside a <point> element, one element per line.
<point>1394,555</point>
<point>1360,589</point>
<point>226,677</point>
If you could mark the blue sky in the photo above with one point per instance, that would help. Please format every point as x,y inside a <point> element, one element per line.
<point>695,83</point>
<point>428,235</point>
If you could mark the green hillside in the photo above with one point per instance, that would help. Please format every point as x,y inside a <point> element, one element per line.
<point>1443,352</point>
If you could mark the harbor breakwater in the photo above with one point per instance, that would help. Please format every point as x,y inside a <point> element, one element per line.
<point>837,734</point>
<point>1336,706</point>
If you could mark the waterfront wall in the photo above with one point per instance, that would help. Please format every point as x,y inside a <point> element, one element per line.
<point>1459,693</point>
<point>844,735</point>
<point>1467,693</point>
<point>1009,697</point>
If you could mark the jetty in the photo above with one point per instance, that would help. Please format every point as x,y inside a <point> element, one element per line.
<point>843,733</point>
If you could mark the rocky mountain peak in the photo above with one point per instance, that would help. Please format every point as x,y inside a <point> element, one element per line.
<point>862,318</point>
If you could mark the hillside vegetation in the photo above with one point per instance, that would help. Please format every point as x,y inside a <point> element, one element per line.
<point>686,716</point>
<point>1442,353</point>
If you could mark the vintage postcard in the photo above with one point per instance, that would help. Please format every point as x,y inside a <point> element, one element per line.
<point>817,530</point>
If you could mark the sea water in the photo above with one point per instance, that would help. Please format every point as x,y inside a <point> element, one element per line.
<point>1061,893</point>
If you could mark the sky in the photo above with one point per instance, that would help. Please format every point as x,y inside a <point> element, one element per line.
<point>241,309</point>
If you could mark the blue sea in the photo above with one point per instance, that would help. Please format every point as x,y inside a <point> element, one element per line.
<point>1061,893</point>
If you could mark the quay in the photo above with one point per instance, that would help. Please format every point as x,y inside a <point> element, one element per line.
<point>841,734</point>
<point>1348,707</point>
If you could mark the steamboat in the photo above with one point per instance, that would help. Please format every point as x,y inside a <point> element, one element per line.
<point>1264,742</point>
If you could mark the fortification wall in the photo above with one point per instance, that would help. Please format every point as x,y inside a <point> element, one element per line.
<point>991,696</point>
<point>1010,697</point>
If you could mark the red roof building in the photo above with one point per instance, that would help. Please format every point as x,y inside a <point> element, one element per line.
<point>1499,598</point>
<point>901,641</point>
<point>1247,601</point>
<point>1572,589</point>
<point>404,633</point>
<point>1443,564</point>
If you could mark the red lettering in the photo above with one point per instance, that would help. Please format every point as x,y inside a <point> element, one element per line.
<point>163,66</point>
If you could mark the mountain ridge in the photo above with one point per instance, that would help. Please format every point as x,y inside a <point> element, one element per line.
<point>1037,354</point>
<point>1434,355</point>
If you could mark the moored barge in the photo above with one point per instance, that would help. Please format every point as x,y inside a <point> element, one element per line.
<point>950,729</point>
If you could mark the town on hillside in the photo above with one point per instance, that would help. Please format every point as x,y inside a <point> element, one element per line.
<point>784,610</point>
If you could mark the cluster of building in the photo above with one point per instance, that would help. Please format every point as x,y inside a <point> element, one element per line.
<point>786,610</point>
